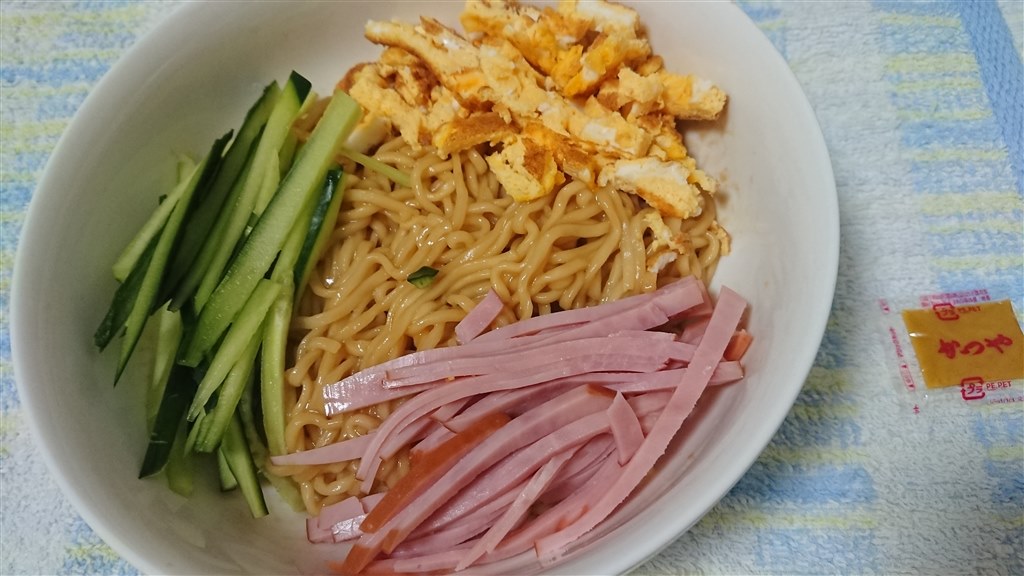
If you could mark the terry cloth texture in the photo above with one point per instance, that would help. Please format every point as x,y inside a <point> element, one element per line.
<point>922,107</point>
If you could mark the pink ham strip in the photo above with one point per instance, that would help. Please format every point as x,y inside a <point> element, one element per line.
<point>425,540</point>
<point>430,400</point>
<point>445,370</point>
<point>694,330</point>
<point>517,510</point>
<point>724,320</point>
<point>518,466</point>
<point>349,529</point>
<point>517,542</point>
<point>350,449</point>
<point>340,521</point>
<point>724,373</point>
<point>348,395</point>
<point>576,477</point>
<point>479,318</point>
<point>625,428</point>
<point>643,312</point>
<point>582,315</point>
<point>524,430</point>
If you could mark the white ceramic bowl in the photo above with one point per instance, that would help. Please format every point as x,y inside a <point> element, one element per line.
<point>194,76</point>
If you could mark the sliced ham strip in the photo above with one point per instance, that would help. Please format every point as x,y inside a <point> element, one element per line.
<point>625,428</point>
<point>571,410</point>
<point>580,470</point>
<point>724,320</point>
<point>694,330</point>
<point>348,395</point>
<point>340,521</point>
<point>479,318</point>
<point>573,405</point>
<point>430,400</point>
<point>724,373</point>
<point>428,540</point>
<point>347,509</point>
<point>585,315</point>
<point>448,369</point>
<point>517,510</point>
<point>351,449</point>
<point>518,466</point>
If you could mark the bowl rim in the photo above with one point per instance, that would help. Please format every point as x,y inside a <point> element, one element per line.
<point>19,322</point>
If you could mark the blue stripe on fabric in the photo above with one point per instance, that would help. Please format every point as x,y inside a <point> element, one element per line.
<point>916,8</point>
<point>901,39</point>
<point>929,101</point>
<point>1009,482</point>
<point>16,195</point>
<point>827,432</point>
<point>970,243</point>
<point>807,551</point>
<point>60,73</point>
<point>949,134</point>
<point>1001,73</point>
<point>942,177</point>
<point>808,484</point>
<point>1005,282</point>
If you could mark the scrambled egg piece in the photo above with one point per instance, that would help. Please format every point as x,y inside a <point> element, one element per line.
<point>527,167</point>
<point>664,185</point>
<point>569,91</point>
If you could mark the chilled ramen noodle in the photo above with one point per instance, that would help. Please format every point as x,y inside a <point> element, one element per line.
<point>576,247</point>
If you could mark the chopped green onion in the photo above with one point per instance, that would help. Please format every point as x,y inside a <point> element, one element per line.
<point>422,277</point>
<point>390,172</point>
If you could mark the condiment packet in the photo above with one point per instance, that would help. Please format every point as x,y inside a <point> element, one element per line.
<point>959,346</point>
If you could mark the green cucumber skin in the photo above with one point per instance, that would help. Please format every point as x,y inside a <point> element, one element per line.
<point>146,301</point>
<point>228,395</point>
<point>240,460</point>
<point>181,464</point>
<point>235,343</point>
<point>261,248</point>
<point>325,216</point>
<point>124,300</point>
<point>227,479</point>
<point>178,394</point>
<point>201,221</point>
<point>232,225</point>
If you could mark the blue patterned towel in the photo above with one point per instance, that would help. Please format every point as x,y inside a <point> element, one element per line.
<point>922,107</point>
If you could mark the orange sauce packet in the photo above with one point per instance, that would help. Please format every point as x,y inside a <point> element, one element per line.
<point>957,344</point>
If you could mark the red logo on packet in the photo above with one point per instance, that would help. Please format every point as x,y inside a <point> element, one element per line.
<point>972,388</point>
<point>945,311</point>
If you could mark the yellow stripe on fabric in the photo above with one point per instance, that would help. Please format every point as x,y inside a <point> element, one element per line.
<point>939,84</point>
<point>20,177</point>
<point>78,20</point>
<point>808,412</point>
<point>988,225</point>
<point>825,380</point>
<point>961,114</point>
<point>957,155</point>
<point>48,57</point>
<point>1006,453</point>
<point>934,63</point>
<point>30,130</point>
<point>953,203</point>
<point>813,456</point>
<point>921,20</point>
<point>980,262</point>
<point>86,551</point>
<point>723,517</point>
<point>28,90</point>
